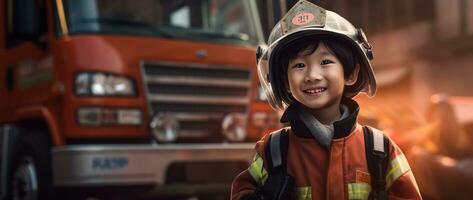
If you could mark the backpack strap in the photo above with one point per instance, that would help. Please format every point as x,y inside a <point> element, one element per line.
<point>276,151</point>
<point>377,151</point>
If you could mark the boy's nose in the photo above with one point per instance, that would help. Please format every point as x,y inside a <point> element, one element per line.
<point>313,75</point>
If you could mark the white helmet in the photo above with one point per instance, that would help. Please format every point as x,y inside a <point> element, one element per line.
<point>308,20</point>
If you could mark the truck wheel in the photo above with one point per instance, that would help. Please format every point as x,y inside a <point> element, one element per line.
<point>31,177</point>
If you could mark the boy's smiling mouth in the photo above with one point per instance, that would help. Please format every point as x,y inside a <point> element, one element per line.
<point>314,91</point>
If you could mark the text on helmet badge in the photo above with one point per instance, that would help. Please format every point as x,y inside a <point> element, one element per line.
<point>303,18</point>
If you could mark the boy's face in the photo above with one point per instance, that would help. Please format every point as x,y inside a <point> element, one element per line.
<point>317,80</point>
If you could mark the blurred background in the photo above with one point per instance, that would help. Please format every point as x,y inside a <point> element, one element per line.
<point>160,99</point>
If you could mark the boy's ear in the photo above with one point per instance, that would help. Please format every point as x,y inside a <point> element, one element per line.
<point>351,80</point>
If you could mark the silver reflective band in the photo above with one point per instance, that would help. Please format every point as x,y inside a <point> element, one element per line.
<point>275,149</point>
<point>378,140</point>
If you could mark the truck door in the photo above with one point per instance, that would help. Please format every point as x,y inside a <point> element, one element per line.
<point>28,64</point>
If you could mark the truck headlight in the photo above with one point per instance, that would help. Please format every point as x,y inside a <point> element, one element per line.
<point>164,128</point>
<point>102,84</point>
<point>234,127</point>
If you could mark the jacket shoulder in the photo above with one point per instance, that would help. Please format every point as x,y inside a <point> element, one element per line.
<point>261,144</point>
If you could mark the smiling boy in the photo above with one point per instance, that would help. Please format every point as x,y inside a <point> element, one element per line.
<point>315,63</point>
<point>316,80</point>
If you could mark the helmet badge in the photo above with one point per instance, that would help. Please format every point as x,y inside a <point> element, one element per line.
<point>303,14</point>
<point>303,18</point>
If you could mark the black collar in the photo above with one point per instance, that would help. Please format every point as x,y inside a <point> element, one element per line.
<point>342,128</point>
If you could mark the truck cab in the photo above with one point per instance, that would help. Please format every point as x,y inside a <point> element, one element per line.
<point>162,96</point>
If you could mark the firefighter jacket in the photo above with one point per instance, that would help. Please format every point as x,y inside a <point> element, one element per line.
<point>337,172</point>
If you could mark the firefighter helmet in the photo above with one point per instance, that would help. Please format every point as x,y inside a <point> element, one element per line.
<point>308,20</point>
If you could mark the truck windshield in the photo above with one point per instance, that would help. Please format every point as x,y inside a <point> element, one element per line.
<point>215,20</point>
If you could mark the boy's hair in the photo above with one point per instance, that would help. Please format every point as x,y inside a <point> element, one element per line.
<point>344,52</point>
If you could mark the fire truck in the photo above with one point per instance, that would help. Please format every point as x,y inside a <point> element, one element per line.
<point>102,98</point>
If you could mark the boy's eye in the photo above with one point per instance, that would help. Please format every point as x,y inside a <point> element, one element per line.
<point>298,65</point>
<point>326,62</point>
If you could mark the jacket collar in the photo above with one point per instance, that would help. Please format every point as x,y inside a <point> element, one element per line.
<point>342,128</point>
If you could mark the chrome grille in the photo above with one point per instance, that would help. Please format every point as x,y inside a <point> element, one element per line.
<point>199,96</point>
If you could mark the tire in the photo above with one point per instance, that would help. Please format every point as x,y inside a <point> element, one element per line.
<point>31,174</point>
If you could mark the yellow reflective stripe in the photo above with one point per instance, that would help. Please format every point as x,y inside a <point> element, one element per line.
<point>397,168</point>
<point>304,193</point>
<point>257,170</point>
<point>358,190</point>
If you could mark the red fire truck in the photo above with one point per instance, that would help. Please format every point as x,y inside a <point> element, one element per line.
<point>106,97</point>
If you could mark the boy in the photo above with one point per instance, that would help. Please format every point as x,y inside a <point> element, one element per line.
<point>316,62</point>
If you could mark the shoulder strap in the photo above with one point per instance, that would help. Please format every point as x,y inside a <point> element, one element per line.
<point>377,151</point>
<point>276,151</point>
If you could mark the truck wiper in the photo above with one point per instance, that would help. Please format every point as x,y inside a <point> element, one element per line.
<point>196,33</point>
<point>127,22</point>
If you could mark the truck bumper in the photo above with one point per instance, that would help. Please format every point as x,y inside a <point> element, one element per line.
<point>167,167</point>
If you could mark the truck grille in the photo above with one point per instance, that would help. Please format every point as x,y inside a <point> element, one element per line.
<point>197,95</point>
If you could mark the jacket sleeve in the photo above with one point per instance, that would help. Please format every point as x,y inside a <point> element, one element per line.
<point>256,174</point>
<point>400,180</point>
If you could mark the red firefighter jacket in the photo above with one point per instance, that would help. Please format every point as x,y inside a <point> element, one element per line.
<point>340,172</point>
